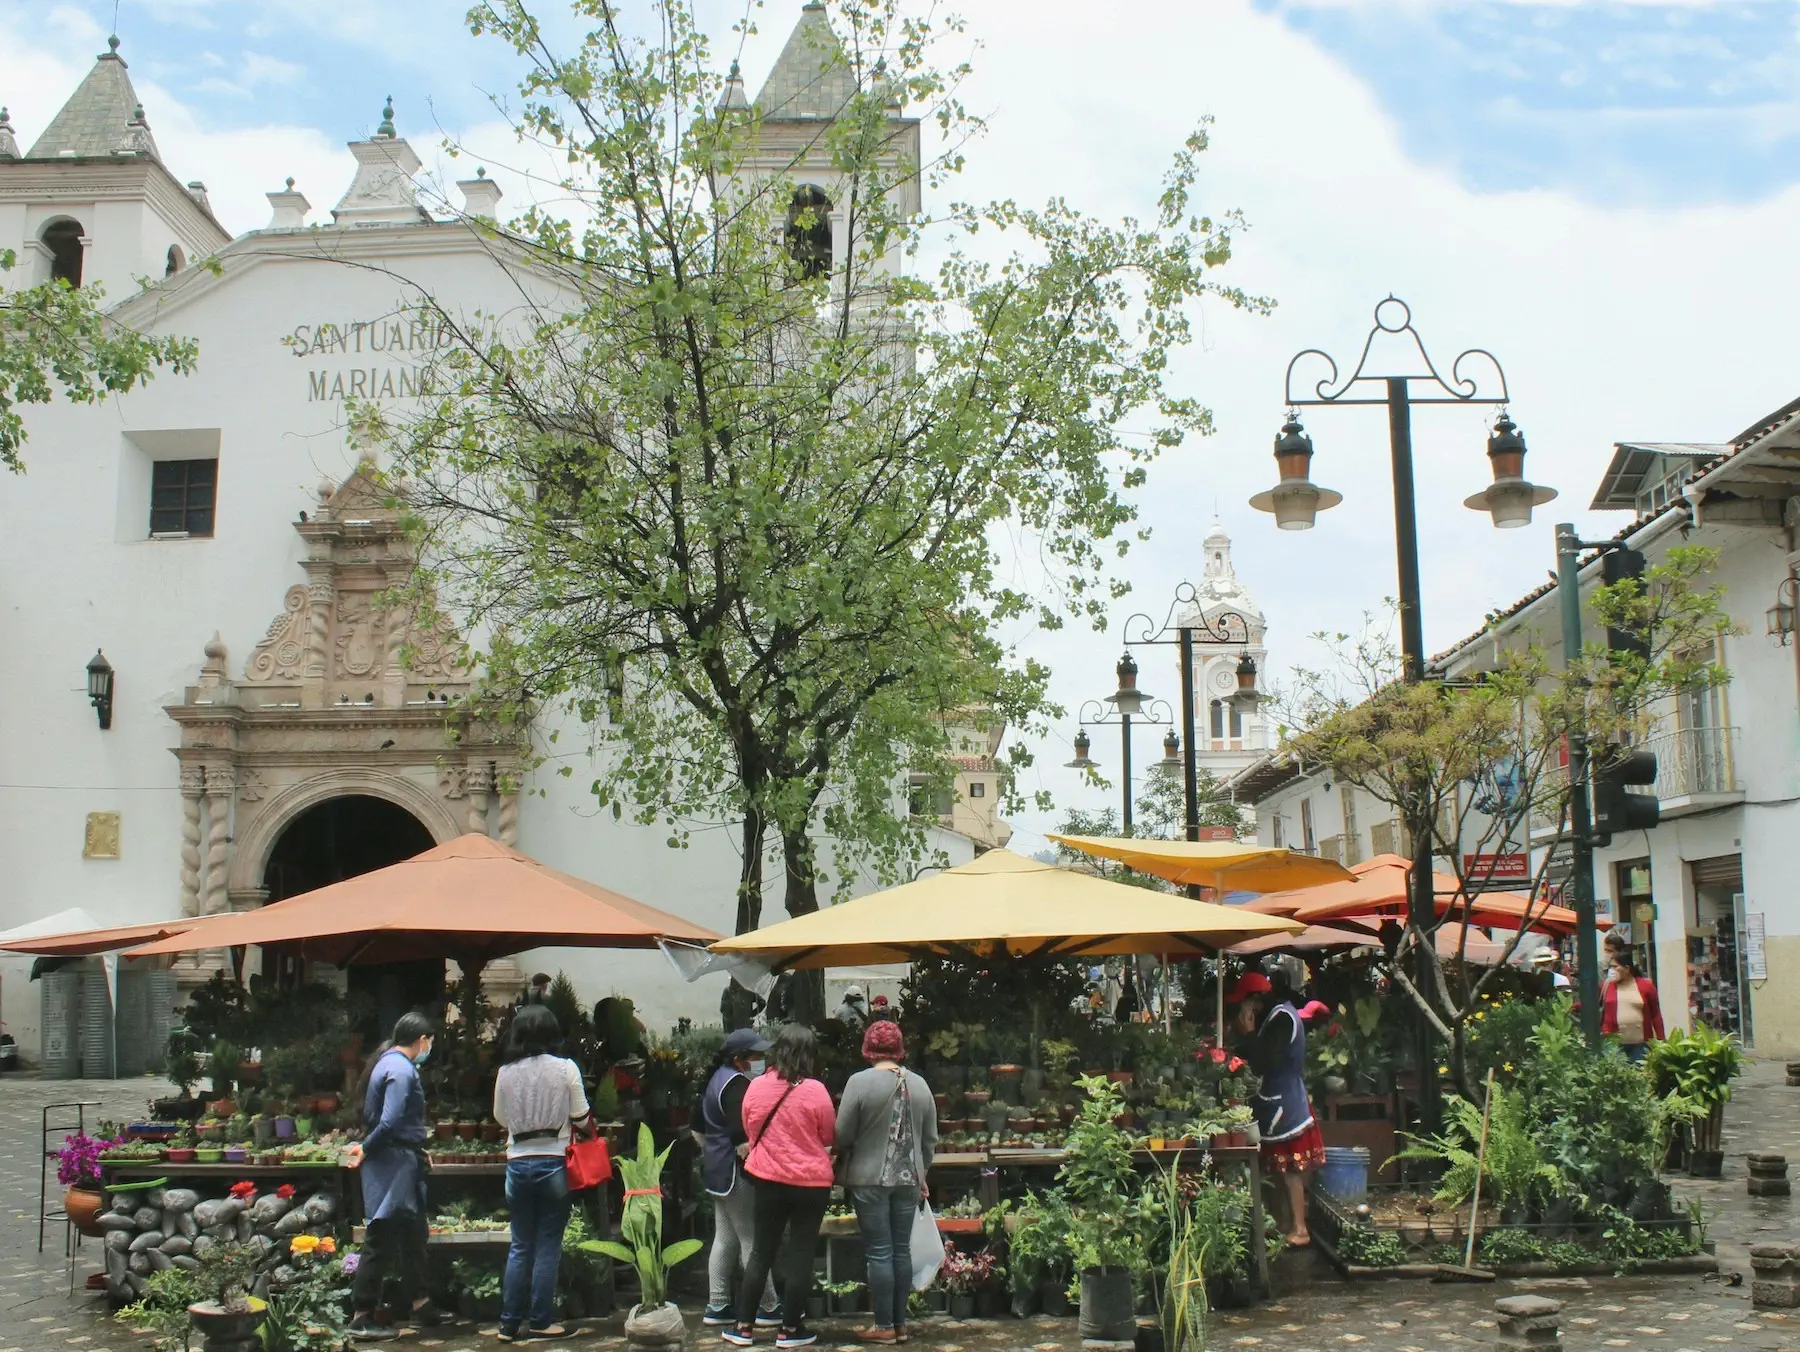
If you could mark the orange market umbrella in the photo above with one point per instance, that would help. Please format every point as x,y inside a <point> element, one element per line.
<point>472,899</point>
<point>82,943</point>
<point>1226,865</point>
<point>1378,892</point>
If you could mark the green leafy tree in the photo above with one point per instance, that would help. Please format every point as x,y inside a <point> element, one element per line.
<point>54,336</point>
<point>730,492</point>
<point>1478,764</point>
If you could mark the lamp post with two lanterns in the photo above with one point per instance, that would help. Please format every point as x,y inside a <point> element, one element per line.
<point>1475,377</point>
<point>1128,703</point>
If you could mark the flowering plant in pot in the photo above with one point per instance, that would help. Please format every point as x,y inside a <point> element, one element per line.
<point>78,1170</point>
<point>963,1275</point>
<point>654,1322</point>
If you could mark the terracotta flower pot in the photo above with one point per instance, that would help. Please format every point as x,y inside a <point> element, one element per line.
<point>466,1130</point>
<point>443,1131</point>
<point>84,1206</point>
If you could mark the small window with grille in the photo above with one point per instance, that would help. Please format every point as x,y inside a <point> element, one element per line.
<point>183,496</point>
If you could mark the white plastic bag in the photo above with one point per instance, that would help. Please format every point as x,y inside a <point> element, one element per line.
<point>927,1247</point>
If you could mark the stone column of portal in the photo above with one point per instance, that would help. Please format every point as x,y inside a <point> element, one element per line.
<point>319,593</point>
<point>193,788</point>
<point>221,785</point>
<point>480,781</point>
<point>508,787</point>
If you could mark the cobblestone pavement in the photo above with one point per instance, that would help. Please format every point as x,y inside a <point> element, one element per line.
<point>1687,1314</point>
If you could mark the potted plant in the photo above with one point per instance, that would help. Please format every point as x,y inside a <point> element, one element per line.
<point>78,1170</point>
<point>1102,1186</point>
<point>1697,1068</point>
<point>227,1315</point>
<point>963,1275</point>
<point>181,1147</point>
<point>844,1297</point>
<point>653,1322</point>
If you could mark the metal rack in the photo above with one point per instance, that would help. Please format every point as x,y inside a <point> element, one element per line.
<point>48,1211</point>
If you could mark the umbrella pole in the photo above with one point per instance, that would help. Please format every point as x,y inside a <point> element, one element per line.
<point>1220,964</point>
<point>1168,997</point>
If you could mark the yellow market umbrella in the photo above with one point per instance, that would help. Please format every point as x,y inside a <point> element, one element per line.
<point>1228,865</point>
<point>1003,904</point>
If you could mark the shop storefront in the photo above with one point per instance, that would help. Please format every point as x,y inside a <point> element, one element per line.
<point>1718,988</point>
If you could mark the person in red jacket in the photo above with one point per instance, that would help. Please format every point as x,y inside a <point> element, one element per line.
<point>1629,1008</point>
<point>791,1128</point>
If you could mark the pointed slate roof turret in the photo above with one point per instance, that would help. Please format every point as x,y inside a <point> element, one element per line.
<point>102,117</point>
<point>9,143</point>
<point>812,79</point>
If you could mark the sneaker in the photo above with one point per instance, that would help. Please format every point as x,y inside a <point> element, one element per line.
<point>507,1335</point>
<point>549,1333</point>
<point>876,1334</point>
<point>717,1316</point>
<point>739,1336</point>
<point>796,1337</point>
<point>768,1319</point>
<point>429,1316</point>
<point>368,1331</point>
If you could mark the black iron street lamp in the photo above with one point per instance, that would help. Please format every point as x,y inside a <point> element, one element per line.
<point>1295,501</point>
<point>1225,628</point>
<point>1128,703</point>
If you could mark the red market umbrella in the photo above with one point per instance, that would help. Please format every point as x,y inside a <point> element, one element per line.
<point>1378,892</point>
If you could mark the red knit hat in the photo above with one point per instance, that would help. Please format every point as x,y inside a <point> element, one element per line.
<point>883,1041</point>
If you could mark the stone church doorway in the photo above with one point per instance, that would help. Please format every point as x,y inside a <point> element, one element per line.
<point>341,838</point>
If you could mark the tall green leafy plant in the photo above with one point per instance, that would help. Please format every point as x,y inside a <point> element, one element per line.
<point>1102,1184</point>
<point>1693,1071</point>
<point>641,1225</point>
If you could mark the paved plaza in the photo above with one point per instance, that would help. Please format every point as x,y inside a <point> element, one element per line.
<point>1687,1314</point>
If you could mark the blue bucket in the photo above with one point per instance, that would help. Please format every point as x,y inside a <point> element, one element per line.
<point>1346,1173</point>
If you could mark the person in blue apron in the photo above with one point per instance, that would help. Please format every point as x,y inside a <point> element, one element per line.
<point>390,1161</point>
<point>1275,1047</point>
<point>719,1123</point>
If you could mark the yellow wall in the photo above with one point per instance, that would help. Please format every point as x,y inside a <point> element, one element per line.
<point>1775,1003</point>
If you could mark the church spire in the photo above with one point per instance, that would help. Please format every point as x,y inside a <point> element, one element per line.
<point>103,117</point>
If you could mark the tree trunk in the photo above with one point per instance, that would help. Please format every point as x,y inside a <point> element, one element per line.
<point>803,899</point>
<point>738,1007</point>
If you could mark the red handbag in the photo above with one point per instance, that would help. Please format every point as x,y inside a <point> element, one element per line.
<point>588,1164</point>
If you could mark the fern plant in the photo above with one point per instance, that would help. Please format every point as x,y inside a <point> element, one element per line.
<point>641,1224</point>
<point>1515,1174</point>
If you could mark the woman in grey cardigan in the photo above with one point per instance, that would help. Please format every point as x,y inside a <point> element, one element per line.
<point>886,1135</point>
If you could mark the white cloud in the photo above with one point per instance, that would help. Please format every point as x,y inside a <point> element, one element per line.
<point>270,70</point>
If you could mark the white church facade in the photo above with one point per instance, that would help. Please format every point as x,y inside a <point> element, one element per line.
<point>214,540</point>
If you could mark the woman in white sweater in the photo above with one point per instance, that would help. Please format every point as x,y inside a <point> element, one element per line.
<point>538,1098</point>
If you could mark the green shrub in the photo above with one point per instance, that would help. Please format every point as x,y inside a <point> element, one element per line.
<point>1511,1246</point>
<point>1365,1246</point>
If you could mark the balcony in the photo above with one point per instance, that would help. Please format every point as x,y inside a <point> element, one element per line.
<point>1696,769</point>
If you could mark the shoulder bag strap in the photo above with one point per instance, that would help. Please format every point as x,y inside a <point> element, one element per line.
<point>769,1121</point>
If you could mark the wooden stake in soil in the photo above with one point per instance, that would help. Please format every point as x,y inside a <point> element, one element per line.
<point>1468,1272</point>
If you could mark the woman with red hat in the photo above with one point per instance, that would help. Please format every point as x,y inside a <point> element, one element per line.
<point>886,1135</point>
<point>1291,1144</point>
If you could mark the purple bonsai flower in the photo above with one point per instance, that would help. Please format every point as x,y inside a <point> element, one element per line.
<point>78,1162</point>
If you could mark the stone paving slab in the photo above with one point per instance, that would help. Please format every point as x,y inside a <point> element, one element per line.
<point>1687,1314</point>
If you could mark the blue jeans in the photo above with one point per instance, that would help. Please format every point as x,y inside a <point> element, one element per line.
<point>885,1217</point>
<point>537,1191</point>
<point>1635,1052</point>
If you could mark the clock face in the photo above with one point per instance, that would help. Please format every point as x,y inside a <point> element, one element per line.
<point>1224,678</point>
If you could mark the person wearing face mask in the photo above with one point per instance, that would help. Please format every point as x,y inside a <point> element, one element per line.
<point>391,1162</point>
<point>719,1123</point>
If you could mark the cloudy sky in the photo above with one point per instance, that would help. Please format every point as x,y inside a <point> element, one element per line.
<point>1605,195</point>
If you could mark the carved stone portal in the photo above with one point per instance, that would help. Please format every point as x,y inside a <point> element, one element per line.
<point>350,691</point>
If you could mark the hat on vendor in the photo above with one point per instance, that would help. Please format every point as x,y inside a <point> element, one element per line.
<point>883,1041</point>
<point>1250,983</point>
<point>1544,956</point>
<point>744,1042</point>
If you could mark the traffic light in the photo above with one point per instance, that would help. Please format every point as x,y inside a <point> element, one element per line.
<point>1616,808</point>
<point>1619,565</point>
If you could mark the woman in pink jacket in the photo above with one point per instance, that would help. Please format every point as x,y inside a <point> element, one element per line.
<point>791,1129</point>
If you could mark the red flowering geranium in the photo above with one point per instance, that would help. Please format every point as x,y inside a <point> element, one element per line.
<point>244,1190</point>
<point>285,1191</point>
